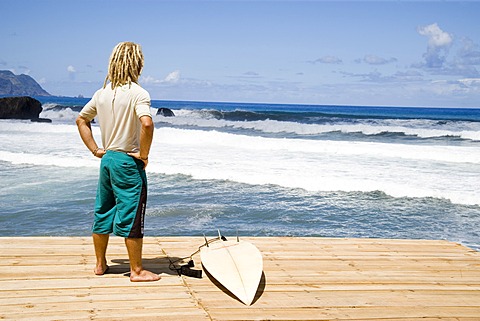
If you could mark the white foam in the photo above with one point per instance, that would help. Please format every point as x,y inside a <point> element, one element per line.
<point>65,114</point>
<point>205,119</point>
<point>399,170</point>
<point>418,128</point>
<point>449,172</point>
<point>28,127</point>
<point>47,160</point>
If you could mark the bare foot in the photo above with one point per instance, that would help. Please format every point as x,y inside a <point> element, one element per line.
<point>144,276</point>
<point>100,270</point>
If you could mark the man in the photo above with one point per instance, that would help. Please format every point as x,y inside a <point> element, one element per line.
<point>122,110</point>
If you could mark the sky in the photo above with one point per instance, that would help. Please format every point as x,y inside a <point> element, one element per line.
<point>372,53</point>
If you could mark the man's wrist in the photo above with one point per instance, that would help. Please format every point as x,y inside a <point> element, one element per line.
<point>143,158</point>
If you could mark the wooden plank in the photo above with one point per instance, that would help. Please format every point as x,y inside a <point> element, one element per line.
<point>91,282</point>
<point>387,298</point>
<point>347,313</point>
<point>304,279</point>
<point>160,313</point>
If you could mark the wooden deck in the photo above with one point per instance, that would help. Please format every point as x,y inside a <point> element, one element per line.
<point>51,278</point>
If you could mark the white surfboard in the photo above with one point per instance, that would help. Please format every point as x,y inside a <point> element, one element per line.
<point>237,265</point>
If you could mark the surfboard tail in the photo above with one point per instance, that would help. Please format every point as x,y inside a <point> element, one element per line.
<point>237,265</point>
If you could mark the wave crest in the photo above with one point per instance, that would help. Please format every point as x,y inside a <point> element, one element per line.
<point>266,123</point>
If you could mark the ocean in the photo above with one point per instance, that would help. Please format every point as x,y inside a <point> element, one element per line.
<point>259,170</point>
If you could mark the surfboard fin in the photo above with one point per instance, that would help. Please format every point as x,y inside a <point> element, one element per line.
<point>206,241</point>
<point>220,236</point>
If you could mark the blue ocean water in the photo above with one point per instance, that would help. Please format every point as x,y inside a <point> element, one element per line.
<point>260,170</point>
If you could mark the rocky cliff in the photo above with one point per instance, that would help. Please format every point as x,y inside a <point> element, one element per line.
<point>19,85</point>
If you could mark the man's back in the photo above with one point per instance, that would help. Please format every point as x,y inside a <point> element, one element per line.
<point>118,111</point>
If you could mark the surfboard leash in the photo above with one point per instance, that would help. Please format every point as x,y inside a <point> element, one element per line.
<point>186,269</point>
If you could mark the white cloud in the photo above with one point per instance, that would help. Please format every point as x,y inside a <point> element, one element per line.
<point>376,60</point>
<point>406,88</point>
<point>439,42</point>
<point>327,60</point>
<point>148,80</point>
<point>448,88</point>
<point>470,82</point>
<point>71,72</point>
<point>436,36</point>
<point>173,77</point>
<point>409,75</point>
<point>469,53</point>
<point>403,77</point>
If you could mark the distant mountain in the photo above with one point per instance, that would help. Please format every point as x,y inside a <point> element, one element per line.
<point>19,85</point>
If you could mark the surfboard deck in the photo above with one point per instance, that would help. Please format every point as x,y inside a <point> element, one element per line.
<point>237,265</point>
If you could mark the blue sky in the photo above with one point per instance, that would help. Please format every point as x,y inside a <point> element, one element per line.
<point>399,53</point>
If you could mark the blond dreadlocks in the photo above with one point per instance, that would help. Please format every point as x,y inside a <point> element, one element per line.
<point>126,63</point>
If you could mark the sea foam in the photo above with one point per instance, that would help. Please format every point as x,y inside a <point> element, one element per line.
<point>423,128</point>
<point>396,169</point>
<point>399,170</point>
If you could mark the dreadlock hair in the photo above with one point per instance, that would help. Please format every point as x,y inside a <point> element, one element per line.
<point>126,63</point>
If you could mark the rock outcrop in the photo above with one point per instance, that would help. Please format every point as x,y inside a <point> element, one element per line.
<point>19,85</point>
<point>166,112</point>
<point>20,108</point>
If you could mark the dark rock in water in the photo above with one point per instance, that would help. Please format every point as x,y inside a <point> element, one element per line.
<point>166,112</point>
<point>41,120</point>
<point>19,85</point>
<point>19,108</point>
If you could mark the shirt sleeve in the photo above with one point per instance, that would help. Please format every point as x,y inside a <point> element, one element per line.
<point>89,111</point>
<point>142,107</point>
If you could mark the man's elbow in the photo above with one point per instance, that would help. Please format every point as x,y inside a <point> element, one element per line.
<point>80,121</point>
<point>147,123</point>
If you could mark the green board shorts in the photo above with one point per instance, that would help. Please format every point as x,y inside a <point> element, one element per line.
<point>121,196</point>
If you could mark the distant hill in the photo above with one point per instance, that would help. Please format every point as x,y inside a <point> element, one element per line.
<point>19,85</point>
